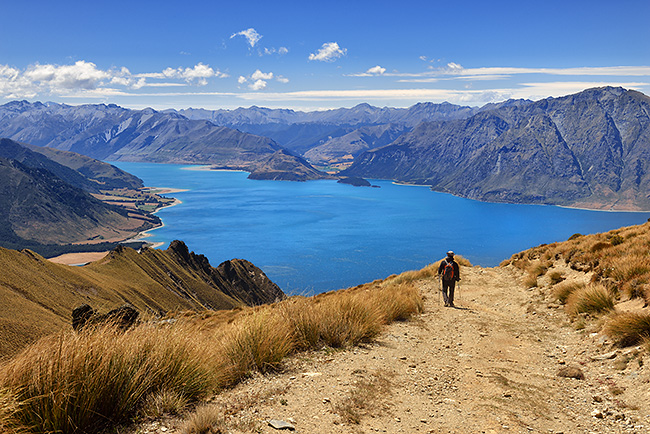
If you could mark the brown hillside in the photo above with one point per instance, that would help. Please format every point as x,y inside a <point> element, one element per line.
<point>38,295</point>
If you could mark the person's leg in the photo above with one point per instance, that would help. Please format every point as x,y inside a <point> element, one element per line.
<point>452,286</point>
<point>445,289</point>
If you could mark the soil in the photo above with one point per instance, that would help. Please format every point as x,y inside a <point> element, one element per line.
<point>490,365</point>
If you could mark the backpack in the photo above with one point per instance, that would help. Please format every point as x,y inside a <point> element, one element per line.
<point>448,271</point>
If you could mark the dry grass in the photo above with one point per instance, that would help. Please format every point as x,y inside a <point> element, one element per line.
<point>164,402</point>
<point>530,281</point>
<point>207,419</point>
<point>562,291</point>
<point>629,328</point>
<point>71,383</point>
<point>591,299</point>
<point>555,277</point>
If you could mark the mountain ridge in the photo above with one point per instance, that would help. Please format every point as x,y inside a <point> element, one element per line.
<point>588,150</point>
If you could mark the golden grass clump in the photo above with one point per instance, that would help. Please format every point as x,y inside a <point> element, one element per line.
<point>629,328</point>
<point>84,382</point>
<point>207,419</point>
<point>591,299</point>
<point>563,290</point>
<point>72,383</point>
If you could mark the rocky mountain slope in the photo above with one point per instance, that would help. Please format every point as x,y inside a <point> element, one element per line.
<point>109,132</point>
<point>38,295</point>
<point>590,149</point>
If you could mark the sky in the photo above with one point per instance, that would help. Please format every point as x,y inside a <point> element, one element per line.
<point>307,55</point>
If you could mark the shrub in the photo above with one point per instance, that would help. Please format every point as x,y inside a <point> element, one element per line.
<point>594,298</point>
<point>562,291</point>
<point>616,240</point>
<point>628,328</point>
<point>600,246</point>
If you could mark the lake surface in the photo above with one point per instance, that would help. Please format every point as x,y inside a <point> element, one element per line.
<point>311,237</point>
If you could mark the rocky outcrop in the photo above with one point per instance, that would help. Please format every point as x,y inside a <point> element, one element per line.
<point>85,317</point>
<point>237,278</point>
<point>590,149</point>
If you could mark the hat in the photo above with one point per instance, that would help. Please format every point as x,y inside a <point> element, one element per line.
<point>450,254</point>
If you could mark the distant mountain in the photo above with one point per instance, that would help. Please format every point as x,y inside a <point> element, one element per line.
<point>302,131</point>
<point>590,149</point>
<point>43,202</point>
<point>343,149</point>
<point>38,296</point>
<point>78,170</point>
<point>109,132</point>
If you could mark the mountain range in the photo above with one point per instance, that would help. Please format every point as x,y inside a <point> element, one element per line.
<point>112,133</point>
<point>591,149</point>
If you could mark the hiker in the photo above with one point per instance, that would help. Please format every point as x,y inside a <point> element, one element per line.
<point>449,273</point>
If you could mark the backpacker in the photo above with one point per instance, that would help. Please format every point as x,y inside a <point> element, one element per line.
<point>448,271</point>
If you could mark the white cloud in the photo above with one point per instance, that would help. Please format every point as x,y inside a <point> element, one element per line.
<point>282,79</point>
<point>81,75</point>
<point>196,75</point>
<point>241,79</point>
<point>329,52</point>
<point>283,50</point>
<point>268,51</point>
<point>250,34</point>
<point>257,85</point>
<point>376,70</point>
<point>259,75</point>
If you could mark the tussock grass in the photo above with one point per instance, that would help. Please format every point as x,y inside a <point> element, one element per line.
<point>629,328</point>
<point>207,419</point>
<point>73,383</point>
<point>555,277</point>
<point>163,403</point>
<point>591,299</point>
<point>563,290</point>
<point>530,281</point>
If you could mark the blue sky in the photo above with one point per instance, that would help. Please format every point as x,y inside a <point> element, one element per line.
<point>305,56</point>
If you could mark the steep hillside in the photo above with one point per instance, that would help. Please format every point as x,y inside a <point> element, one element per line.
<point>109,132</point>
<point>38,295</point>
<point>40,208</point>
<point>590,149</point>
<point>77,170</point>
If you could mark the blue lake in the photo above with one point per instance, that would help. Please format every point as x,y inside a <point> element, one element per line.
<point>317,236</point>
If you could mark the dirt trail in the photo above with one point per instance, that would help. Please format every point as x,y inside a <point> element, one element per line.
<point>488,366</point>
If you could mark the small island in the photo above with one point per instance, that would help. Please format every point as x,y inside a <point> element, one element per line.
<point>356,181</point>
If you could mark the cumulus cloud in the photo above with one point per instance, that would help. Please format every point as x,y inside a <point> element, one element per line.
<point>251,36</point>
<point>376,70</point>
<point>258,79</point>
<point>84,76</point>
<point>259,75</point>
<point>329,52</point>
<point>197,75</point>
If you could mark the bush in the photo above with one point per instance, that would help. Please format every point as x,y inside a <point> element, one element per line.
<point>629,328</point>
<point>616,240</point>
<point>591,299</point>
<point>555,277</point>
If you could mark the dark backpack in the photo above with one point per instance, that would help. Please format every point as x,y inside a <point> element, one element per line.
<point>448,271</point>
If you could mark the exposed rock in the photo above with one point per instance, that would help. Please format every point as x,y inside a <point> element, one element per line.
<point>571,372</point>
<point>280,424</point>
<point>122,317</point>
